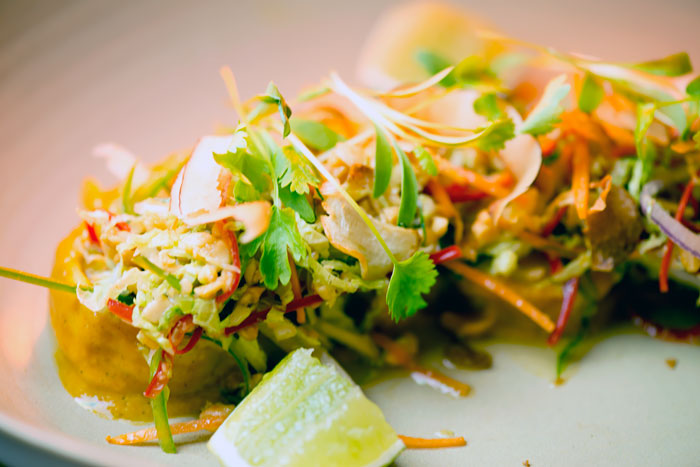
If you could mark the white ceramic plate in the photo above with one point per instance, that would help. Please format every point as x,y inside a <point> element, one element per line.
<point>145,75</point>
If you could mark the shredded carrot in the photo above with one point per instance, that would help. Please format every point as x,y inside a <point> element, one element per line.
<point>466,176</point>
<point>547,144</point>
<point>505,293</point>
<point>580,178</point>
<point>296,288</point>
<point>668,254</point>
<point>446,207</point>
<point>230,82</point>
<point>210,420</point>
<point>579,123</point>
<point>404,359</point>
<point>432,443</point>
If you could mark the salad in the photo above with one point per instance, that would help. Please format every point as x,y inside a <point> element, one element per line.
<point>518,191</point>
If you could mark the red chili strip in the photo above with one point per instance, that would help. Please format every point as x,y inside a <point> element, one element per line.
<point>668,254</point>
<point>567,304</point>
<point>177,334</point>
<point>446,254</point>
<point>236,261</point>
<point>161,376</point>
<point>464,193</point>
<point>92,234</point>
<point>123,226</point>
<point>555,264</point>
<point>120,309</point>
<point>553,222</point>
<point>258,316</point>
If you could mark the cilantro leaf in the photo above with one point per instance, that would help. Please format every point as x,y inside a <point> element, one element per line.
<point>315,134</point>
<point>434,63</point>
<point>410,280</point>
<point>673,65</point>
<point>238,160</point>
<point>409,190</point>
<point>546,112</point>
<point>293,170</point>
<point>591,94</point>
<point>272,96</point>
<point>282,235</point>
<point>244,192</point>
<point>425,160</point>
<point>487,105</point>
<point>498,133</point>
<point>299,203</point>
<point>693,88</point>
<point>383,163</point>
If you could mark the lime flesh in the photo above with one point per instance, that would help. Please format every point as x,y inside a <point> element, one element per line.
<point>304,413</point>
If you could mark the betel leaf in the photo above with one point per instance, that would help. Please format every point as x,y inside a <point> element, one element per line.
<point>425,160</point>
<point>434,63</point>
<point>409,281</point>
<point>546,112</point>
<point>498,133</point>
<point>383,163</point>
<point>315,134</point>
<point>282,235</point>
<point>272,96</point>
<point>693,88</point>
<point>592,94</point>
<point>293,170</point>
<point>487,106</point>
<point>299,203</point>
<point>409,190</point>
<point>673,65</point>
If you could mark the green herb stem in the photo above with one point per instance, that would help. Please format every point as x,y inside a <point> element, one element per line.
<point>39,280</point>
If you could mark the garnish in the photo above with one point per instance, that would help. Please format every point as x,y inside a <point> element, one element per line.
<point>425,160</point>
<point>127,200</point>
<point>383,163</point>
<point>272,96</point>
<point>591,95</point>
<point>674,65</point>
<point>546,113</point>
<point>161,363</point>
<point>315,134</point>
<point>148,265</point>
<point>281,235</point>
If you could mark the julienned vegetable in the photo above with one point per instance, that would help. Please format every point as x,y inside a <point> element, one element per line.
<point>524,193</point>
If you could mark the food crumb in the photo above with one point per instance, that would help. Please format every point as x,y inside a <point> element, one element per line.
<point>671,362</point>
<point>526,463</point>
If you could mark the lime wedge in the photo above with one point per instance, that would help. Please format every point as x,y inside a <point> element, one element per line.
<point>304,413</point>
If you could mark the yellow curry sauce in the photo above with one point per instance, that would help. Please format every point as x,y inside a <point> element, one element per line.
<point>97,355</point>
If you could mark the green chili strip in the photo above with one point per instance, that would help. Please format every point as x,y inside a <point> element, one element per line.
<point>160,411</point>
<point>169,278</point>
<point>39,280</point>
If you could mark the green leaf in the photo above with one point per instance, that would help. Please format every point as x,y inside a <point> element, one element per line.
<point>282,235</point>
<point>383,163</point>
<point>645,116</point>
<point>546,112</point>
<point>673,65</point>
<point>410,280</point>
<point>244,192</point>
<point>498,133</point>
<point>434,63</point>
<point>693,88</point>
<point>299,203</point>
<point>127,200</point>
<point>487,105</point>
<point>473,70</point>
<point>409,190</point>
<point>591,94</point>
<point>240,160</point>
<point>315,134</point>
<point>293,170</point>
<point>272,96</point>
<point>38,280</point>
<point>646,153</point>
<point>425,160</point>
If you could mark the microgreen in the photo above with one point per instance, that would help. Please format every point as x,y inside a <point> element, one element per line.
<point>272,96</point>
<point>673,65</point>
<point>282,235</point>
<point>433,63</point>
<point>425,160</point>
<point>546,112</point>
<point>409,190</point>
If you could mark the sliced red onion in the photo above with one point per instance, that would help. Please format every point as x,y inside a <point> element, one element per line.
<point>677,232</point>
